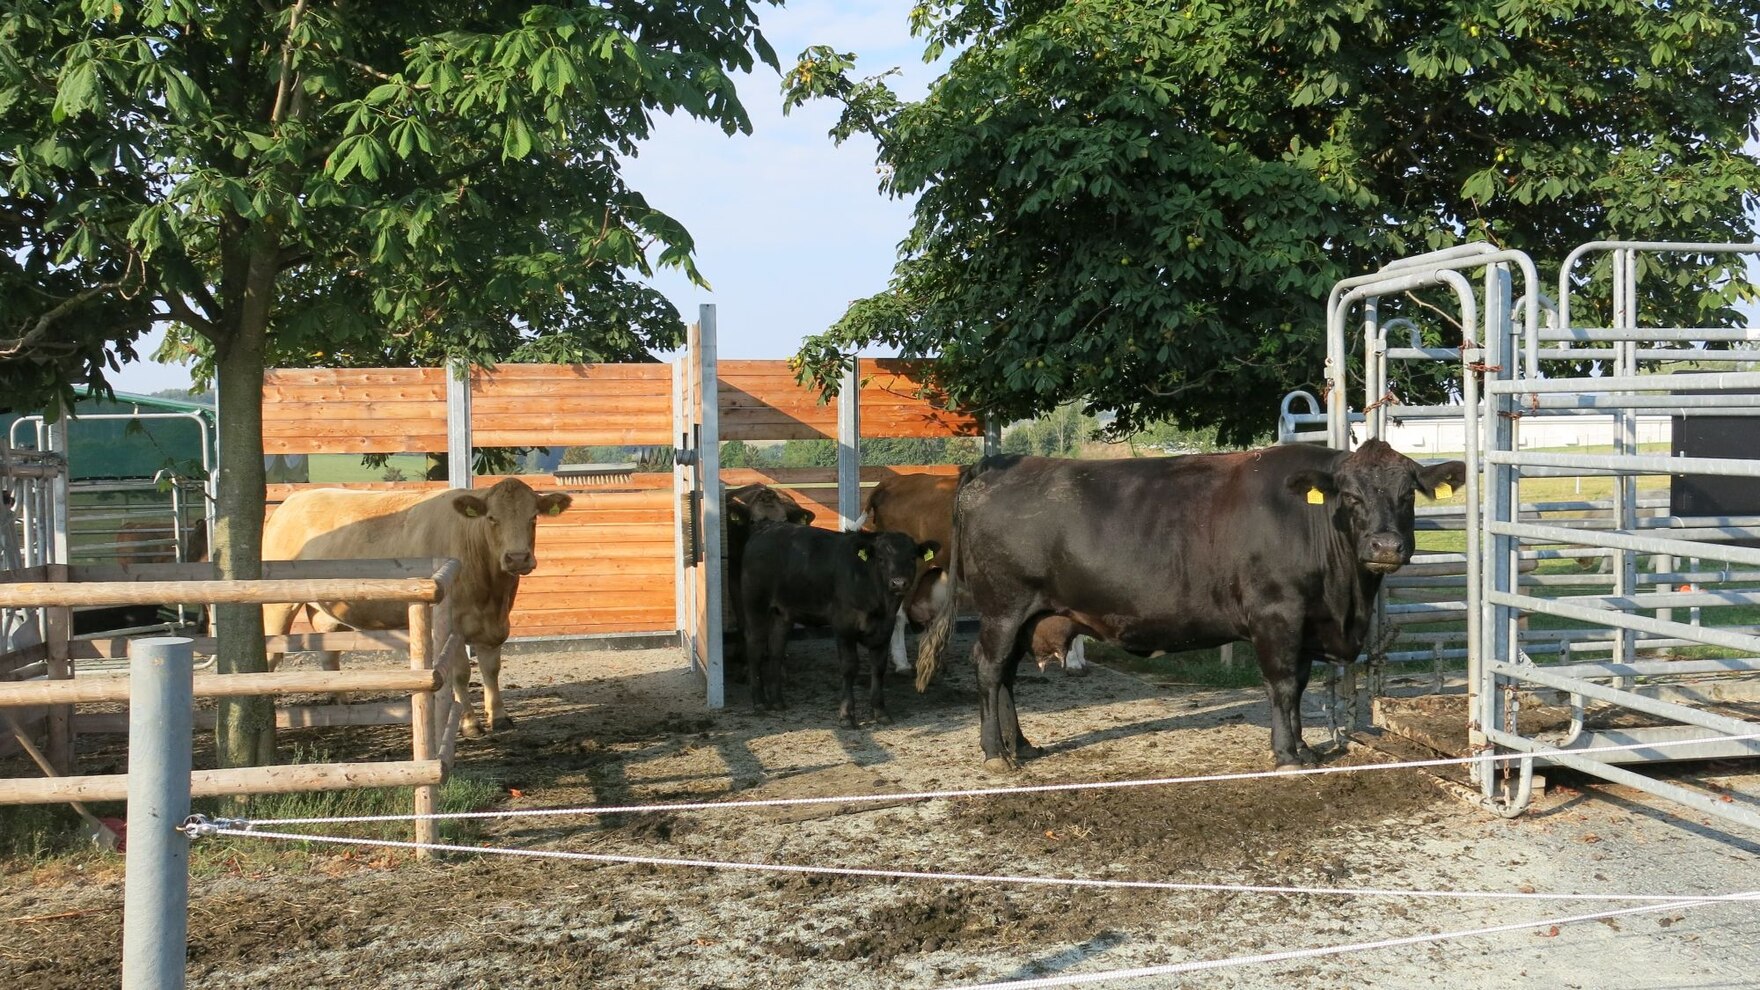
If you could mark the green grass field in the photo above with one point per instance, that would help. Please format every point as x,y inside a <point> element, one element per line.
<point>348,467</point>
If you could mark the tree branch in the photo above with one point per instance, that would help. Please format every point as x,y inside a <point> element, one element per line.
<point>36,338</point>
<point>285,86</point>
<point>181,311</point>
<point>380,74</point>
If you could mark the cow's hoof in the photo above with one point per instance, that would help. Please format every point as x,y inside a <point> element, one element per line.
<point>881,717</point>
<point>1308,756</point>
<point>846,721</point>
<point>502,724</point>
<point>1076,671</point>
<point>1028,752</point>
<point>1000,764</point>
<point>470,730</point>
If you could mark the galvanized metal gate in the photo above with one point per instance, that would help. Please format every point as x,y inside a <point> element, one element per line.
<point>697,484</point>
<point>1668,623</point>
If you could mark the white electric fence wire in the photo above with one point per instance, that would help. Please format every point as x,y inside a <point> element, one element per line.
<point>903,796</point>
<point>1078,979</point>
<point>200,826</point>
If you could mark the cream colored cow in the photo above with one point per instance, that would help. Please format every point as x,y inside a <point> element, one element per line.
<point>491,534</point>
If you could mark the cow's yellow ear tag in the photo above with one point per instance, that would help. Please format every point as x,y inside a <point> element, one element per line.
<point>862,554</point>
<point>928,554</point>
<point>1444,490</point>
<point>1316,497</point>
<point>471,512</point>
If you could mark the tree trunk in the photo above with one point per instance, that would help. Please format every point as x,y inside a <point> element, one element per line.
<point>245,735</point>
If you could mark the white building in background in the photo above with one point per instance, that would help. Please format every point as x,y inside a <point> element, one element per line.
<point>1431,437</point>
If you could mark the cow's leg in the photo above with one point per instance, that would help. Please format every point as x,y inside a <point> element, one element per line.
<point>900,662</point>
<point>461,695</point>
<point>1011,724</point>
<point>757,633</point>
<point>849,659</point>
<point>1304,671</point>
<point>277,620</point>
<point>998,655</point>
<point>1278,641</point>
<point>779,626</point>
<point>489,662</point>
<point>877,663</point>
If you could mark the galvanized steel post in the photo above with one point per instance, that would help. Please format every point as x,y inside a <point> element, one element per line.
<point>155,933</point>
<point>849,445</point>
<point>459,467</point>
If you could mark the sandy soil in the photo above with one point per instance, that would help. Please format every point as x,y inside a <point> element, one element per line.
<point>602,727</point>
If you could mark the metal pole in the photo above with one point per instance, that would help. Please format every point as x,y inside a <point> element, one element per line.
<point>459,466</point>
<point>849,446</point>
<point>155,933</point>
<point>709,467</point>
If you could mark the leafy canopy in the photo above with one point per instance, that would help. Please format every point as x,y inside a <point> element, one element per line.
<point>370,182</point>
<point>1145,204</point>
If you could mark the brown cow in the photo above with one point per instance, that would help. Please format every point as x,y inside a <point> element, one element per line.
<point>490,534</point>
<point>921,507</point>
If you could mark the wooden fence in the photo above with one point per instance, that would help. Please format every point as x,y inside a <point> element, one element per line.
<point>611,563</point>
<point>435,650</point>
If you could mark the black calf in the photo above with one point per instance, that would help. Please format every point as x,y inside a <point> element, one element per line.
<point>852,582</point>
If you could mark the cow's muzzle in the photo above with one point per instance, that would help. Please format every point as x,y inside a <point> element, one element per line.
<point>1384,553</point>
<point>518,563</point>
<point>898,585</point>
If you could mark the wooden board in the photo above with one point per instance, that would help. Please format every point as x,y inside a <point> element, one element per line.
<point>354,410</point>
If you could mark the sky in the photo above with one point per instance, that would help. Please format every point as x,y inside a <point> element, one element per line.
<point>789,228</point>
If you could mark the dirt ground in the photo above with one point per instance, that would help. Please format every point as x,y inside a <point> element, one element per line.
<point>597,728</point>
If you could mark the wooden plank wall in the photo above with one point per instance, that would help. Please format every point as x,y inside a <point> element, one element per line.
<point>760,400</point>
<point>892,407</point>
<point>569,405</point>
<point>354,410</point>
<point>606,565</point>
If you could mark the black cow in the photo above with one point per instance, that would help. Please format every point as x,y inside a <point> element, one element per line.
<point>852,582</point>
<point>748,505</point>
<point>1283,547</point>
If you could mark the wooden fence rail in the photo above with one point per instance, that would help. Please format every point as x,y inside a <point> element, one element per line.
<point>435,651</point>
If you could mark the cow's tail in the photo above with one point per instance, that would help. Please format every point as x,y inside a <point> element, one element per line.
<point>932,645</point>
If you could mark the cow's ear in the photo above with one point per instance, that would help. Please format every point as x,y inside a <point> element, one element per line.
<point>554,503</point>
<point>928,549</point>
<point>864,547</point>
<point>800,516</point>
<point>470,506</point>
<point>1313,487</point>
<point>1441,480</point>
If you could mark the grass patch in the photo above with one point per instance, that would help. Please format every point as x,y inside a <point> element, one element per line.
<point>33,836</point>
<point>340,468</point>
<point>1202,668</point>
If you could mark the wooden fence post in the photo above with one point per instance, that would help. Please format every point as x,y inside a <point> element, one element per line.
<point>421,722</point>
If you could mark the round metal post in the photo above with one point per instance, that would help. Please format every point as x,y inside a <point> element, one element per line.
<point>155,933</point>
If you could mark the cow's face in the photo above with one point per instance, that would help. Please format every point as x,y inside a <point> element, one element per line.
<point>508,514</point>
<point>1370,495</point>
<point>893,558</point>
<point>760,503</point>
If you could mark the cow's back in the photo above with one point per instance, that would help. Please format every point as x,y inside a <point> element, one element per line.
<point>341,524</point>
<point>335,523</point>
<point>917,505</point>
